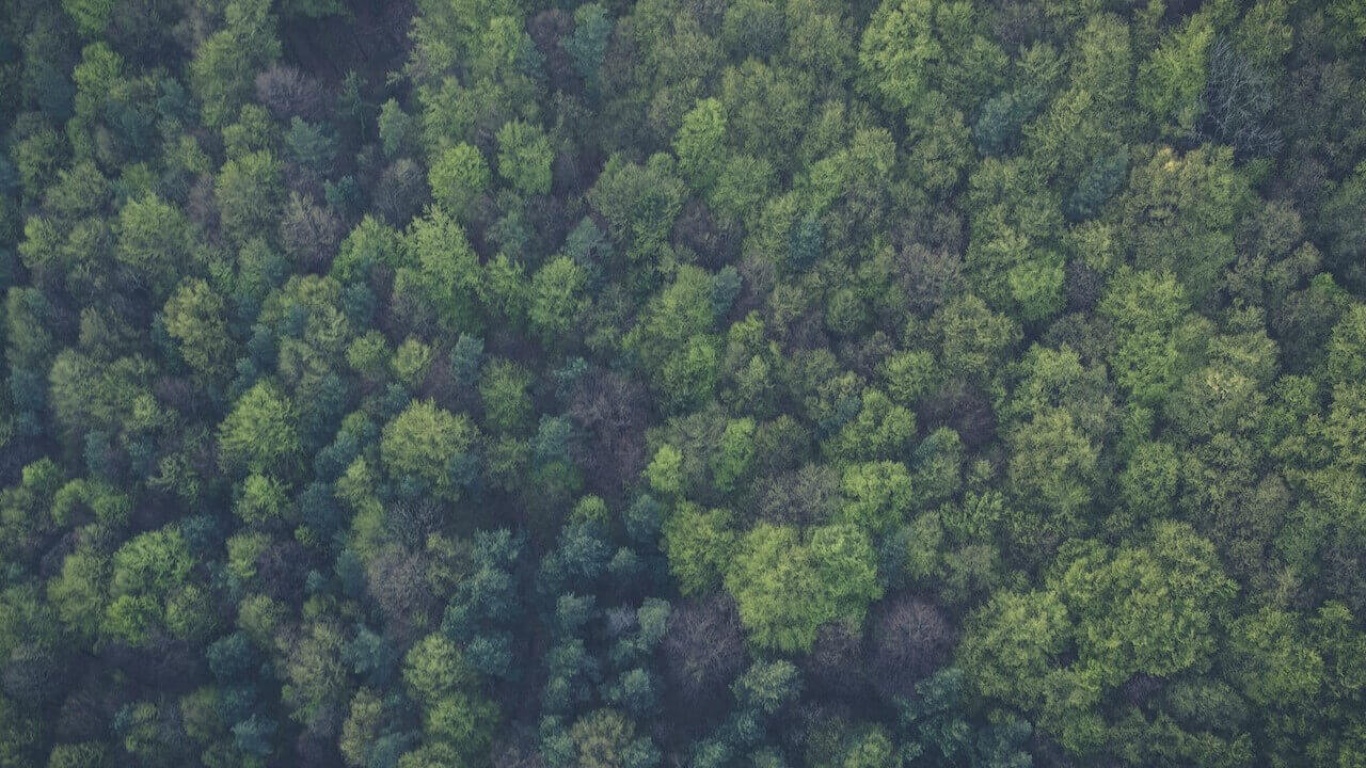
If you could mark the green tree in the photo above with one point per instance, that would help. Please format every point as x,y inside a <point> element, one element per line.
<point>91,16</point>
<point>524,157</point>
<point>434,668</point>
<point>734,456</point>
<point>146,572</point>
<point>898,49</point>
<point>423,440</point>
<point>639,203</point>
<point>262,499</point>
<point>1157,339</point>
<point>1171,81</point>
<point>79,592</point>
<point>261,433</point>
<point>411,362</point>
<point>672,337</point>
<point>503,389</point>
<point>250,195</point>
<point>880,430</point>
<point>1147,609</point>
<point>225,64</point>
<point>605,738</point>
<point>587,45</point>
<point>361,729</point>
<point>440,274</point>
<point>1347,346</point>
<point>1180,212</point>
<point>700,144</point>
<point>834,569</point>
<point>1011,643</point>
<point>878,496</point>
<point>972,338</point>
<point>458,176</point>
<point>195,317</point>
<point>1273,663</point>
<point>155,240</point>
<point>559,299</point>
<point>699,545</point>
<point>1148,483</point>
<point>456,718</point>
<point>314,674</point>
<point>1054,469</point>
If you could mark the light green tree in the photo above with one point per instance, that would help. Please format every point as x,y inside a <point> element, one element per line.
<point>525,157</point>
<point>834,571</point>
<point>458,176</point>
<point>422,441</point>
<point>260,434</point>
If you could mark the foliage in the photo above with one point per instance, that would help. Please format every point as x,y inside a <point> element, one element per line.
<point>834,568</point>
<point>663,383</point>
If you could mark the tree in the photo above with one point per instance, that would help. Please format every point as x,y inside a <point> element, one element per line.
<point>673,342</point>
<point>91,16</point>
<point>309,233</point>
<point>194,316</point>
<point>1347,236</point>
<point>361,729</point>
<point>1146,609</point>
<point>225,65</point>
<point>146,571</point>
<point>735,455</point>
<point>639,203</point>
<point>1237,103</point>
<point>938,725</point>
<point>704,648</point>
<point>440,274</point>
<point>289,92</point>
<point>1173,78</point>
<point>881,430</point>
<point>911,638</point>
<point>898,48</point>
<point>250,195</point>
<point>458,177</point>
<point>972,338</point>
<point>1346,358</point>
<point>558,299</point>
<point>1148,483</point>
<point>1274,665</point>
<point>423,441</point>
<point>1180,211</point>
<point>524,157</point>
<point>369,245</point>
<point>835,569</point>
<point>315,676</point>
<point>411,363</point>
<point>1011,643</point>
<point>1156,337</point>
<point>587,44</point>
<point>503,389</point>
<point>313,146</point>
<point>435,668</point>
<point>1101,180</point>
<point>700,144</point>
<point>79,591</point>
<point>700,545</point>
<point>878,496</point>
<point>261,433</point>
<point>1053,468</point>
<point>155,238</point>
<point>604,738</point>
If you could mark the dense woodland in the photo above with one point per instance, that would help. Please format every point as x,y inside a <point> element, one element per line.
<point>705,383</point>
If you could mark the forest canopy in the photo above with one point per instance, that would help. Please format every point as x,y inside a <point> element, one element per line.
<point>682,383</point>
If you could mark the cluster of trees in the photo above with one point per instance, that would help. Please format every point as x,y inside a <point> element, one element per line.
<point>682,383</point>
